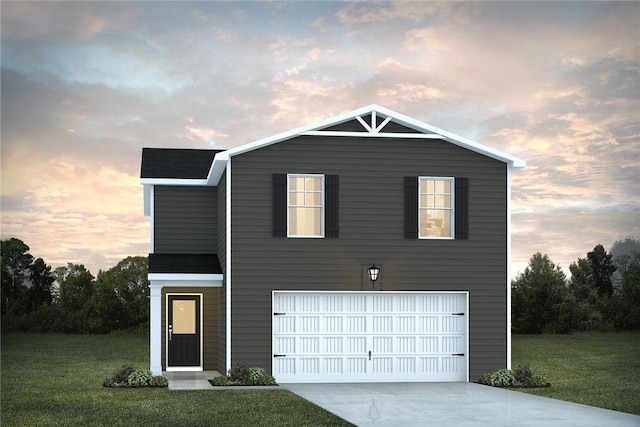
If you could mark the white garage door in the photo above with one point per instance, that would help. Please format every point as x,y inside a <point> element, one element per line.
<point>369,336</point>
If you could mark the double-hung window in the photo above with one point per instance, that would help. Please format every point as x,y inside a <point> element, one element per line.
<point>435,208</point>
<point>305,205</point>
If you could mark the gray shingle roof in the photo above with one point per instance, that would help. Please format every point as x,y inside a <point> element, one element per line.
<point>176,163</point>
<point>184,263</point>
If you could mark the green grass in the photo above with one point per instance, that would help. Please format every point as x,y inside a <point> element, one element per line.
<point>596,369</point>
<point>56,380</point>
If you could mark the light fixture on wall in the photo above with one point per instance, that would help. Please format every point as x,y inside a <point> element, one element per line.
<point>374,272</point>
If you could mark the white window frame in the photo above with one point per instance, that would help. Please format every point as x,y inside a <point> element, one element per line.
<point>322,208</point>
<point>452,216</point>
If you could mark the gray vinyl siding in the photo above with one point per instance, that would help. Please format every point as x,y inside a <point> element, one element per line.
<point>185,220</point>
<point>211,327</point>
<point>371,174</point>
<point>222,256</point>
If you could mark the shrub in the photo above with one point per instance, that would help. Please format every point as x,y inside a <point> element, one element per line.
<point>240,373</point>
<point>522,376</point>
<point>221,381</point>
<point>128,376</point>
<point>159,381</point>
<point>526,378</point>
<point>121,375</point>
<point>259,376</point>
<point>485,379</point>
<point>140,378</point>
<point>503,378</point>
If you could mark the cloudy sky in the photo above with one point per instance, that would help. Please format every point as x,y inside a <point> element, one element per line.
<point>86,85</point>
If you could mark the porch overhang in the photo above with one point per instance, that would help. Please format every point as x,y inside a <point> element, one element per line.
<point>176,270</point>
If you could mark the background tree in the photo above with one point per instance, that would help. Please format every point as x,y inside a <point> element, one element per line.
<point>119,300</point>
<point>588,305</point>
<point>116,300</point>
<point>541,301</point>
<point>627,248</point>
<point>41,279</point>
<point>15,261</point>
<point>603,269</point>
<point>76,287</point>
<point>624,308</point>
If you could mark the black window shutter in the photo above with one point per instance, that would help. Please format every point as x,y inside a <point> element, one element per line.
<point>410,207</point>
<point>279,205</point>
<point>462,208</point>
<point>332,206</point>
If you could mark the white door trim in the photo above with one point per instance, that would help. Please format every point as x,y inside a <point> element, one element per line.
<point>166,335</point>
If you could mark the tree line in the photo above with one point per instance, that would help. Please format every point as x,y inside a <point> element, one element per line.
<point>70,299</point>
<point>602,293</point>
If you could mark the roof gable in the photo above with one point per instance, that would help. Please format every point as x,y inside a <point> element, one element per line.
<point>377,122</point>
<point>206,167</point>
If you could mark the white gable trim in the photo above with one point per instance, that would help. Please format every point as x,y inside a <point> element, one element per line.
<point>426,132</point>
<point>373,134</point>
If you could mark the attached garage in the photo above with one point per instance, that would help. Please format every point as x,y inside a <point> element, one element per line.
<point>370,336</point>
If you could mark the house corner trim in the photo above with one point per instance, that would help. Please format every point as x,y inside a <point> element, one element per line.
<point>155,327</point>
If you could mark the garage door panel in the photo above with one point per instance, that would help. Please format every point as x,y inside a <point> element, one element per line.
<point>357,324</point>
<point>368,337</point>
<point>357,345</point>
<point>357,365</point>
<point>333,345</point>
<point>406,345</point>
<point>334,365</point>
<point>333,324</point>
<point>382,345</point>
<point>284,324</point>
<point>382,324</point>
<point>428,323</point>
<point>405,324</point>
<point>285,345</point>
<point>382,304</point>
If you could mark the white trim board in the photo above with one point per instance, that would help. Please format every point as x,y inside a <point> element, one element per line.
<point>197,279</point>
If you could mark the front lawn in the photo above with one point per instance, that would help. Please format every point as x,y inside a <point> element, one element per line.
<point>56,380</point>
<point>592,368</point>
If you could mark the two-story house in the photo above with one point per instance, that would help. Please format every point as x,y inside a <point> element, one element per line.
<point>261,254</point>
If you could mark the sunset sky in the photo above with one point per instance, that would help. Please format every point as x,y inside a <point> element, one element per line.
<point>86,85</point>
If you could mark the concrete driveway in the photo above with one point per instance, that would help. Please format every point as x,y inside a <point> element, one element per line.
<point>452,404</point>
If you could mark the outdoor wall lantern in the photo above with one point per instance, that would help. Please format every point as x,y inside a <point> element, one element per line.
<point>374,272</point>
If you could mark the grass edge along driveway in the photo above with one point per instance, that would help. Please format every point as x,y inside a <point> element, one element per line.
<point>52,379</point>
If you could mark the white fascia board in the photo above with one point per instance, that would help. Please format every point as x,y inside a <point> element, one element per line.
<point>373,135</point>
<point>172,181</point>
<point>385,113</point>
<point>451,137</point>
<point>191,278</point>
<point>218,167</point>
<point>299,131</point>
